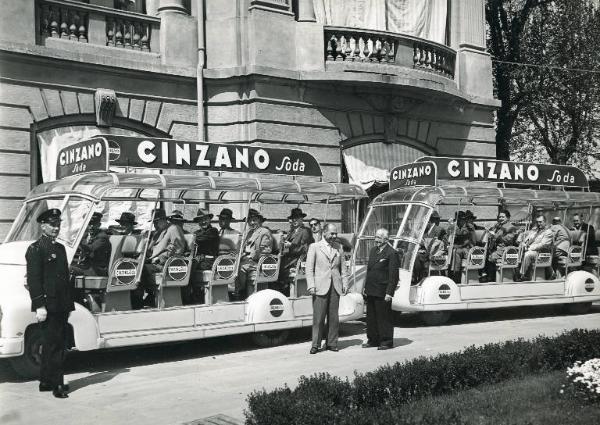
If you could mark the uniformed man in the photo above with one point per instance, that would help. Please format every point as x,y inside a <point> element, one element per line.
<point>93,251</point>
<point>51,294</point>
<point>295,246</point>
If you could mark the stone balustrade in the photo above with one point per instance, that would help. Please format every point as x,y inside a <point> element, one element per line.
<point>356,45</point>
<point>81,22</point>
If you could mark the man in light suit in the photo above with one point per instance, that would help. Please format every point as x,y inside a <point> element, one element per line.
<point>258,241</point>
<point>536,239</point>
<point>327,279</point>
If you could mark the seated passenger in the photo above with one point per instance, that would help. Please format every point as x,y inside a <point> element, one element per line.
<point>177,219</point>
<point>258,241</point>
<point>316,229</point>
<point>207,241</point>
<point>533,242</point>
<point>501,235</point>
<point>434,243</point>
<point>126,225</point>
<point>93,254</point>
<point>229,236</point>
<point>165,241</point>
<point>295,246</point>
<point>586,233</point>
<point>464,240</point>
<point>562,242</point>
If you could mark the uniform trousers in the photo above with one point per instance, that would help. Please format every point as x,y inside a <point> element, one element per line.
<point>54,342</point>
<point>326,306</point>
<point>380,330</point>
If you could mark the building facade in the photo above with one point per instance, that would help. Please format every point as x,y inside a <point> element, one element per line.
<point>363,86</point>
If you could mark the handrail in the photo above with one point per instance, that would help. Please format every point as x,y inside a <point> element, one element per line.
<point>102,10</point>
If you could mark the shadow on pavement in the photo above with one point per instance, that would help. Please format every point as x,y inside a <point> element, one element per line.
<point>348,343</point>
<point>96,378</point>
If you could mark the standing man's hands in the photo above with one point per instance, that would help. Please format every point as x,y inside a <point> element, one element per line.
<point>312,291</point>
<point>388,298</point>
<point>41,314</point>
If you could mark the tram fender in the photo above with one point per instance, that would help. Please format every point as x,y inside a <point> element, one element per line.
<point>582,283</point>
<point>268,306</point>
<point>85,329</point>
<point>438,290</point>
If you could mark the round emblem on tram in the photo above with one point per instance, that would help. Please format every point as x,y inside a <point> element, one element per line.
<point>125,272</point>
<point>225,268</point>
<point>589,285</point>
<point>269,267</point>
<point>177,269</point>
<point>276,307</point>
<point>114,150</point>
<point>444,291</point>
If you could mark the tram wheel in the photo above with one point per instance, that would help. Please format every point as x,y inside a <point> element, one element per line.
<point>270,338</point>
<point>578,308</point>
<point>28,365</point>
<point>435,318</point>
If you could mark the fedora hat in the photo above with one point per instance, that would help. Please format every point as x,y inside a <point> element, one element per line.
<point>96,218</point>
<point>469,215</point>
<point>176,216</point>
<point>295,213</point>
<point>201,214</point>
<point>126,218</point>
<point>226,213</point>
<point>253,213</point>
<point>159,214</point>
<point>435,215</point>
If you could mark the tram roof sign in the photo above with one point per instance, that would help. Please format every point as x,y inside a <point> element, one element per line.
<point>506,172</point>
<point>144,152</point>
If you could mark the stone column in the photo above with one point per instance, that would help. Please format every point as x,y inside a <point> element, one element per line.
<point>179,6</point>
<point>178,34</point>
<point>306,11</point>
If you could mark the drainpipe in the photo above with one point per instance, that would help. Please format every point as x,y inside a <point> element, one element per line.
<point>199,70</point>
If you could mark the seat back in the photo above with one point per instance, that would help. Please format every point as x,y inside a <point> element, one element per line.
<point>575,256</point>
<point>544,258</point>
<point>299,287</point>
<point>267,269</point>
<point>177,269</point>
<point>126,264</point>
<point>475,258</point>
<point>509,260</point>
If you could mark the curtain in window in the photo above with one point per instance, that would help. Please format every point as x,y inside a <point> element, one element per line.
<point>420,18</point>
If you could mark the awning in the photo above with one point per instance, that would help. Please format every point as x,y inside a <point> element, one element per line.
<point>370,163</point>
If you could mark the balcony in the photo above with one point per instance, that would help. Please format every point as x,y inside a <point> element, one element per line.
<point>96,25</point>
<point>385,48</point>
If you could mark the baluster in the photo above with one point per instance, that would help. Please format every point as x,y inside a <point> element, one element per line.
<point>127,35</point>
<point>428,59</point>
<point>64,27</point>
<point>349,49</point>
<point>330,49</point>
<point>357,49</point>
<point>423,57</point>
<point>82,28</point>
<point>118,33</point>
<point>338,49</point>
<point>45,20</point>
<point>54,26</point>
<point>136,36</point>
<point>110,31</point>
<point>417,55</point>
<point>391,52</point>
<point>383,51</point>
<point>366,49</point>
<point>73,21</point>
<point>145,40</point>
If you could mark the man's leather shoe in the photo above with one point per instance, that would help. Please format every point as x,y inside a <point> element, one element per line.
<point>332,349</point>
<point>44,386</point>
<point>384,347</point>
<point>314,350</point>
<point>369,345</point>
<point>60,392</point>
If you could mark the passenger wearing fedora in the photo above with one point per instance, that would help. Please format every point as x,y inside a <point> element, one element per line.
<point>207,240</point>
<point>165,241</point>
<point>464,240</point>
<point>93,254</point>
<point>229,238</point>
<point>126,224</point>
<point>51,293</point>
<point>178,220</point>
<point>295,246</point>
<point>258,241</point>
<point>434,243</point>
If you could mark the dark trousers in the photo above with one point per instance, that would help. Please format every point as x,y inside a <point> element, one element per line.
<point>380,330</point>
<point>54,341</point>
<point>326,306</point>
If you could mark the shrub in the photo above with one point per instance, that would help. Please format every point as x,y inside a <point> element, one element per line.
<point>325,399</point>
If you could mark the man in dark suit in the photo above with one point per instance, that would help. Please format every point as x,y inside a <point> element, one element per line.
<point>295,246</point>
<point>51,293</point>
<point>587,234</point>
<point>94,250</point>
<point>380,284</point>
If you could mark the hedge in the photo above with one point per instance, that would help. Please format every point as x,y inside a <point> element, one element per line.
<point>371,397</point>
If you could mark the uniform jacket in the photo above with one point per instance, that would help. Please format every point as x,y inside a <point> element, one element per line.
<point>48,278</point>
<point>300,238</point>
<point>207,241</point>
<point>325,267</point>
<point>536,240</point>
<point>167,243</point>
<point>561,238</point>
<point>586,229</point>
<point>258,242</point>
<point>95,253</point>
<point>382,272</point>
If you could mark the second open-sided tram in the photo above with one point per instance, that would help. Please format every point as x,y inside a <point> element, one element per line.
<point>453,188</point>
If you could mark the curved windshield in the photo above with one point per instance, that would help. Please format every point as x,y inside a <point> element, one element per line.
<point>75,211</point>
<point>405,224</point>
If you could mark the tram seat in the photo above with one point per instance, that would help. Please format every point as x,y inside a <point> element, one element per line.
<point>573,259</point>
<point>543,262</point>
<point>474,262</point>
<point>509,260</point>
<point>299,285</point>
<point>267,268</point>
<point>176,274</point>
<point>219,278</point>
